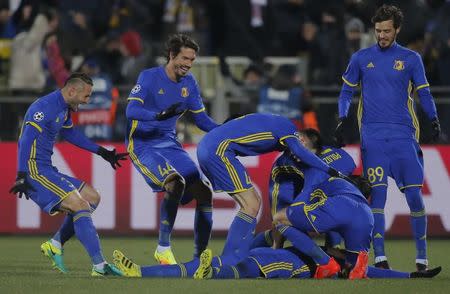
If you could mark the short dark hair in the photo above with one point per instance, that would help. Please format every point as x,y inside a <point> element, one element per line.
<point>315,138</point>
<point>77,77</point>
<point>389,12</point>
<point>175,42</point>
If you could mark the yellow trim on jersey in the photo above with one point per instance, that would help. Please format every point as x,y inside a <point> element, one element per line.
<point>34,125</point>
<point>422,86</point>
<point>418,213</point>
<point>376,185</point>
<point>183,270</point>
<point>34,174</point>
<point>359,112</point>
<point>300,270</point>
<point>412,112</point>
<point>68,127</point>
<point>220,151</point>
<point>235,272</point>
<point>285,137</point>
<point>276,188</point>
<point>136,98</point>
<point>271,267</point>
<point>134,158</point>
<point>197,111</point>
<point>378,210</point>
<point>307,208</point>
<point>409,186</point>
<point>348,83</point>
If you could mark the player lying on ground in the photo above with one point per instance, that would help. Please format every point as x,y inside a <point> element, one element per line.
<point>259,263</point>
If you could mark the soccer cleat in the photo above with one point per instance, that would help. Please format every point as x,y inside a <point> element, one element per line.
<point>327,270</point>
<point>108,270</point>
<point>428,273</point>
<point>382,264</point>
<point>55,255</point>
<point>204,270</point>
<point>421,267</point>
<point>126,265</point>
<point>359,271</point>
<point>165,257</point>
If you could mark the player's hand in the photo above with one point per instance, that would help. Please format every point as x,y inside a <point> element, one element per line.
<point>339,133</point>
<point>22,186</point>
<point>436,127</point>
<point>363,185</point>
<point>169,112</point>
<point>111,156</point>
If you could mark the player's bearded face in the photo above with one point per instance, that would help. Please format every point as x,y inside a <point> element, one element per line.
<point>80,96</point>
<point>183,62</point>
<point>385,33</point>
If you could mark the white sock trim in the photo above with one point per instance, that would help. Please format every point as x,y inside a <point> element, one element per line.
<point>422,261</point>
<point>380,258</point>
<point>162,248</point>
<point>56,243</point>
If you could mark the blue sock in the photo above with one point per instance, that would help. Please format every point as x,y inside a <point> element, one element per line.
<point>246,269</point>
<point>332,240</point>
<point>168,213</point>
<point>87,234</point>
<point>167,271</point>
<point>418,220</point>
<point>66,231</point>
<point>379,273</point>
<point>377,204</point>
<point>202,227</point>
<point>262,239</point>
<point>239,238</point>
<point>303,243</point>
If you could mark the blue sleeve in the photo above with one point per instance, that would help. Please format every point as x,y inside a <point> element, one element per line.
<point>351,78</point>
<point>135,110</point>
<point>306,156</point>
<point>194,101</point>
<point>346,164</point>
<point>423,88</point>
<point>203,121</point>
<point>78,139</point>
<point>29,134</point>
<point>345,100</point>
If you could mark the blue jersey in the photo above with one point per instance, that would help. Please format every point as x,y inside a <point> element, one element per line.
<point>286,180</point>
<point>248,135</point>
<point>387,78</point>
<point>155,92</point>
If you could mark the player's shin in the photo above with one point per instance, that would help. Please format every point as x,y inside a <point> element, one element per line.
<point>202,227</point>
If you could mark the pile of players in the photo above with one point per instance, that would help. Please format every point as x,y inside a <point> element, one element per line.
<point>312,189</point>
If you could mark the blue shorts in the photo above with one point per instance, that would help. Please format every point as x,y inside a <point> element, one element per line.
<point>226,172</point>
<point>283,190</point>
<point>51,186</point>
<point>156,164</point>
<point>400,159</point>
<point>280,263</point>
<point>345,214</point>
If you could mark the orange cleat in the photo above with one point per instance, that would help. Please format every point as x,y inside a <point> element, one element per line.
<point>360,269</point>
<point>327,270</point>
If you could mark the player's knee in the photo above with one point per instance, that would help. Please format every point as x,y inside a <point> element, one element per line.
<point>75,203</point>
<point>91,195</point>
<point>203,194</point>
<point>174,187</point>
<point>280,218</point>
<point>252,205</point>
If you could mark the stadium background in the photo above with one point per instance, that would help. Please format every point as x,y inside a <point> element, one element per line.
<point>116,39</point>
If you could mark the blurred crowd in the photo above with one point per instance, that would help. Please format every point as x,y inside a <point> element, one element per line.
<point>42,41</point>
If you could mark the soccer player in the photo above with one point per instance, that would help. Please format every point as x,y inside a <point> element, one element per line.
<point>388,75</point>
<point>261,262</point>
<point>286,180</point>
<point>53,191</point>
<point>159,97</point>
<point>248,135</point>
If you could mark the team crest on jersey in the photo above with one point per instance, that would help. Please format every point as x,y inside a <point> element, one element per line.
<point>38,116</point>
<point>399,65</point>
<point>136,89</point>
<point>184,92</point>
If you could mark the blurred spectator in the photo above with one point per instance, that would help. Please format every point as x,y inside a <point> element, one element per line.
<point>26,71</point>
<point>23,17</point>
<point>309,47</point>
<point>96,119</point>
<point>57,66</point>
<point>285,96</point>
<point>7,30</point>
<point>355,37</point>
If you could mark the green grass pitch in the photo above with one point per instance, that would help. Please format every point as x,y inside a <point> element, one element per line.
<point>23,269</point>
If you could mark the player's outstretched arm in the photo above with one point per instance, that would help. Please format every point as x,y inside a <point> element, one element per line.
<point>136,111</point>
<point>204,122</point>
<point>111,156</point>
<point>170,111</point>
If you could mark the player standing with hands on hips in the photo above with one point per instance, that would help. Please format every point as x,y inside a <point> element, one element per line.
<point>388,75</point>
